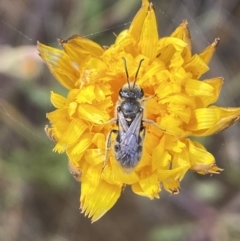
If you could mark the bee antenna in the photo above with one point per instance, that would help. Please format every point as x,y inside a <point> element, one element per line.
<point>126,70</point>
<point>136,75</point>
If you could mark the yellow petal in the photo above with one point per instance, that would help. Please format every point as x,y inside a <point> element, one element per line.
<point>213,120</point>
<point>172,186</point>
<point>149,35</point>
<point>59,120</point>
<point>180,159</point>
<point>196,66</point>
<point>107,175</point>
<point>177,44</point>
<point>136,188</point>
<point>173,144</point>
<point>165,87</point>
<point>196,88</point>
<point>86,95</point>
<point>171,178</point>
<point>71,135</point>
<point>97,202</point>
<point>72,94</point>
<point>160,157</point>
<point>94,156</point>
<point>198,154</point>
<point>58,100</point>
<point>114,173</point>
<point>216,83</point>
<point>83,144</point>
<point>124,43</point>
<point>150,186</point>
<point>152,107</point>
<point>72,109</point>
<point>99,140</point>
<point>173,174</point>
<point>137,22</point>
<point>101,91</point>
<point>92,69</point>
<point>91,176</point>
<point>182,32</point>
<point>156,72</point>
<point>91,113</point>
<point>78,47</point>
<point>176,61</point>
<point>201,160</point>
<point>168,46</point>
<point>151,141</point>
<point>78,160</point>
<point>171,125</point>
<point>207,54</point>
<point>59,64</point>
<point>182,99</point>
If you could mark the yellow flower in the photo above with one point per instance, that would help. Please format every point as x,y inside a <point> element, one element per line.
<point>180,104</point>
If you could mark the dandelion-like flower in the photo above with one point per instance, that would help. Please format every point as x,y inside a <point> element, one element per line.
<point>179,103</point>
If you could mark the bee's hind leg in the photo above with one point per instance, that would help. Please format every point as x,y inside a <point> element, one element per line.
<point>108,145</point>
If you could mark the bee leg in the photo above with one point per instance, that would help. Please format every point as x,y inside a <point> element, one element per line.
<point>151,122</point>
<point>113,120</point>
<point>108,144</point>
<point>144,132</point>
<point>148,98</point>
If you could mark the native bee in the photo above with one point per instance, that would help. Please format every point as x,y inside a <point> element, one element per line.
<point>128,146</point>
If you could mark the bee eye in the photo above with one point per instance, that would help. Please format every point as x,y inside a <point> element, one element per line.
<point>120,92</point>
<point>142,92</point>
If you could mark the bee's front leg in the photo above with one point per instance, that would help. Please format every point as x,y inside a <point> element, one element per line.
<point>144,132</point>
<point>108,145</point>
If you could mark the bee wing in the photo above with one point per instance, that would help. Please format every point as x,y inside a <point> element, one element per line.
<point>131,131</point>
<point>122,123</point>
<point>129,141</point>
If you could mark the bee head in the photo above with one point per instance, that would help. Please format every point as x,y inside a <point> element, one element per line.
<point>131,90</point>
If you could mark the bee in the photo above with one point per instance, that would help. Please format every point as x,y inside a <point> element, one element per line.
<point>130,135</point>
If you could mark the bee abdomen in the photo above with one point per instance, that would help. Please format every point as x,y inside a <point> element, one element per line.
<point>129,158</point>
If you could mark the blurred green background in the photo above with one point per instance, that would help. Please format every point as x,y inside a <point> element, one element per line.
<point>39,199</point>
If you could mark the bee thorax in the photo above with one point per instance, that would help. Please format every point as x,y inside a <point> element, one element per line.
<point>130,108</point>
